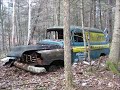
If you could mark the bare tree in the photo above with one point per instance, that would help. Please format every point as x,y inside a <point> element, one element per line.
<point>109,19</point>
<point>67,46</point>
<point>57,8</point>
<point>13,25</point>
<point>29,23</point>
<point>58,16</point>
<point>82,20</point>
<point>100,16</point>
<point>88,38</point>
<point>115,45</point>
<point>94,12</point>
<point>2,23</point>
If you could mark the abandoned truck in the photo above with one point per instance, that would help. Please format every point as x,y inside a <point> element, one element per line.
<point>49,53</point>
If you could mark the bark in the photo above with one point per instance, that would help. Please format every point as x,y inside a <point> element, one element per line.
<point>29,23</point>
<point>9,34</point>
<point>67,46</point>
<point>53,13</point>
<point>94,13</point>
<point>58,18</point>
<point>19,25</point>
<point>2,23</point>
<point>83,31</point>
<point>115,45</point>
<point>13,24</point>
<point>90,16</point>
<point>109,19</point>
<point>57,12</point>
<point>100,16</point>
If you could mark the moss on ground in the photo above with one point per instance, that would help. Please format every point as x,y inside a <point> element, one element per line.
<point>112,67</point>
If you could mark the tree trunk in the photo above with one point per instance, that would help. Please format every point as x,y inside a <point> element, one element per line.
<point>83,31</point>
<point>94,13</point>
<point>109,19</point>
<point>9,33</point>
<point>58,16</point>
<point>57,12</point>
<point>29,23</point>
<point>1,19</point>
<point>115,46</point>
<point>19,25</point>
<point>13,25</point>
<point>67,46</point>
<point>100,16</point>
<point>90,16</point>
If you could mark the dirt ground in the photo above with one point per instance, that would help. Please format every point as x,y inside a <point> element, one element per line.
<point>12,78</point>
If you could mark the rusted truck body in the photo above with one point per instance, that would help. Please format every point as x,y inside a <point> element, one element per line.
<point>49,53</point>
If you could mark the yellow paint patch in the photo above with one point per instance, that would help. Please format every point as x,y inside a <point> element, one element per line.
<point>95,37</point>
<point>79,49</point>
<point>92,47</point>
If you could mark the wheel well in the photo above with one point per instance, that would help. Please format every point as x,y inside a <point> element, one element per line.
<point>29,52</point>
<point>58,63</point>
<point>102,54</point>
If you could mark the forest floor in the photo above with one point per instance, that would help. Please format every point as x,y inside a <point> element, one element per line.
<point>83,79</point>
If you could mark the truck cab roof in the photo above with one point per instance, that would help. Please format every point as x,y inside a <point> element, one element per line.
<point>74,29</point>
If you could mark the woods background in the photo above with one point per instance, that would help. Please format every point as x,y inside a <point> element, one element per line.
<point>47,13</point>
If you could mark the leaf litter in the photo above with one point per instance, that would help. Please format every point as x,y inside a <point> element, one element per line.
<point>12,78</point>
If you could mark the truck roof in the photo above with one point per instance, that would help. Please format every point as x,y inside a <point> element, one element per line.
<point>74,28</point>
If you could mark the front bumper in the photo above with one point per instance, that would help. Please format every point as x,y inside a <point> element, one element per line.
<point>29,68</point>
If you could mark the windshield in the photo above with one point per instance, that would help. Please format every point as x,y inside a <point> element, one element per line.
<point>55,34</point>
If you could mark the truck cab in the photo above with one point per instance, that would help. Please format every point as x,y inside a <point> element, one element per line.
<point>98,43</point>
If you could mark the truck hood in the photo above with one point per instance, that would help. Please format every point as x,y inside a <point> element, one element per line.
<point>59,42</point>
<point>19,50</point>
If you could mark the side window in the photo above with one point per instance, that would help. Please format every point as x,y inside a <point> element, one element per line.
<point>78,37</point>
<point>60,34</point>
